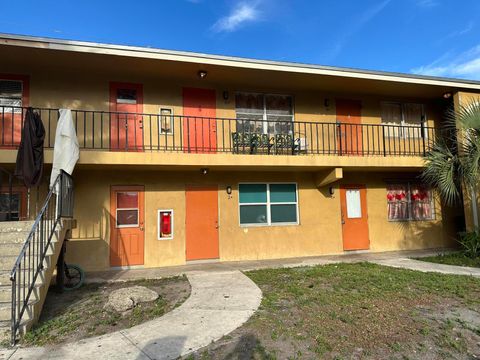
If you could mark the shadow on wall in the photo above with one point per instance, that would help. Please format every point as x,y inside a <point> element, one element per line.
<point>92,253</point>
<point>432,234</point>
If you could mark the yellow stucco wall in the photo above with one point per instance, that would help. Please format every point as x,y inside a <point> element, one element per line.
<point>90,91</point>
<point>318,233</point>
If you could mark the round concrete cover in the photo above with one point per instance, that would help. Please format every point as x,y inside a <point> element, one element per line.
<point>127,298</point>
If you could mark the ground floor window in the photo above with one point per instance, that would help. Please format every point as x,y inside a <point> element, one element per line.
<point>13,208</point>
<point>409,201</point>
<point>268,204</point>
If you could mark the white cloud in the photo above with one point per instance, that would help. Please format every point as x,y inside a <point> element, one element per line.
<point>426,3</point>
<point>465,65</point>
<point>355,27</point>
<point>465,30</point>
<point>242,13</point>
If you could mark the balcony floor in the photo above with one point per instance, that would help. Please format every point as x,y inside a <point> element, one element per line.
<point>236,162</point>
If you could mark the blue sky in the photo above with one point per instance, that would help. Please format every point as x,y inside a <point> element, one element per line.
<point>431,37</point>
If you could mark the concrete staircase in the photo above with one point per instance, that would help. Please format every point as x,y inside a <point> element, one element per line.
<point>12,237</point>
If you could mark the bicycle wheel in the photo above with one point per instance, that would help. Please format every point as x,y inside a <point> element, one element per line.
<point>74,277</point>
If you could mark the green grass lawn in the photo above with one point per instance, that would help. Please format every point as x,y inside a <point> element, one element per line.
<point>456,258</point>
<point>362,311</point>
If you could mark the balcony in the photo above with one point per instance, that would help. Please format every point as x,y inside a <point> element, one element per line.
<point>102,132</point>
<point>114,131</point>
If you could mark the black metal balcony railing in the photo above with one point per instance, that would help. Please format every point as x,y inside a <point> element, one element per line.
<point>115,131</point>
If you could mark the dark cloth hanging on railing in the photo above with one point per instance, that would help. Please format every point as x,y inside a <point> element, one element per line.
<point>29,167</point>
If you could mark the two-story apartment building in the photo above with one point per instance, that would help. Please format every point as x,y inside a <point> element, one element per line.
<point>187,157</point>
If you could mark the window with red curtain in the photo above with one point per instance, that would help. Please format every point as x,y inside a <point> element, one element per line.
<point>409,201</point>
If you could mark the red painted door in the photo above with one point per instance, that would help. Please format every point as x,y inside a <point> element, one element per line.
<point>14,91</point>
<point>126,225</point>
<point>199,122</point>
<point>126,121</point>
<point>349,127</point>
<point>201,222</point>
<point>353,201</point>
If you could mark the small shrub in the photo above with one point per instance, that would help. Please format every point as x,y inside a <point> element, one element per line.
<point>470,242</point>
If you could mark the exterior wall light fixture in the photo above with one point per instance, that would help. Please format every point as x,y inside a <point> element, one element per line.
<point>229,190</point>
<point>447,95</point>
<point>331,190</point>
<point>204,171</point>
<point>202,74</point>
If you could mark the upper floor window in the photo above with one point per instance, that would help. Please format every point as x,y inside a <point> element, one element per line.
<point>409,201</point>
<point>126,96</point>
<point>11,94</point>
<point>406,119</point>
<point>264,113</point>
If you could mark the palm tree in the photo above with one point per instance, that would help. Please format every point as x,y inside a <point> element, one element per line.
<point>453,162</point>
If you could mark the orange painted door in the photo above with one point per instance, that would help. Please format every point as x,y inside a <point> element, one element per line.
<point>353,199</point>
<point>126,121</point>
<point>127,225</point>
<point>11,127</point>
<point>349,130</point>
<point>201,222</point>
<point>15,91</point>
<point>199,122</point>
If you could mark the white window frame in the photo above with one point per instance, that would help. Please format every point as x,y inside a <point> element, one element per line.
<point>117,208</point>
<point>264,114</point>
<point>126,225</point>
<point>159,237</point>
<point>160,131</point>
<point>268,204</point>
<point>401,133</point>
<point>409,184</point>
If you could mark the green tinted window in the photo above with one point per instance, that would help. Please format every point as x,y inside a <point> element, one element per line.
<point>283,193</point>
<point>253,193</point>
<point>283,213</point>
<point>253,214</point>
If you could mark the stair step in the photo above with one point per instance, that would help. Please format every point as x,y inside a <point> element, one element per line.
<point>17,237</point>
<point>10,249</point>
<point>7,261</point>
<point>6,309</point>
<point>4,278</point>
<point>6,293</point>
<point>15,226</point>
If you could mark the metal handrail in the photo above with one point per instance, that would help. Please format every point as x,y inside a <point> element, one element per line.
<point>30,261</point>
<point>129,131</point>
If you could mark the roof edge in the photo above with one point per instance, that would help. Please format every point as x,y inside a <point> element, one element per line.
<point>187,56</point>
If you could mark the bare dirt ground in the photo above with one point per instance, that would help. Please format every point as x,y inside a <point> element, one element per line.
<point>75,315</point>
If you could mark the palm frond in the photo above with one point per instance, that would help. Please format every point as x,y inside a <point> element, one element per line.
<point>454,159</point>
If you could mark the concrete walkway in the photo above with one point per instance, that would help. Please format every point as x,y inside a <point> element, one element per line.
<point>156,273</point>
<point>405,263</point>
<point>220,302</point>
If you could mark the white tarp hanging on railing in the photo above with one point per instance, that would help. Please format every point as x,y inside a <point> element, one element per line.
<point>65,149</point>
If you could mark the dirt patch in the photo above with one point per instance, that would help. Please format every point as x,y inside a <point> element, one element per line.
<point>357,311</point>
<point>75,315</point>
